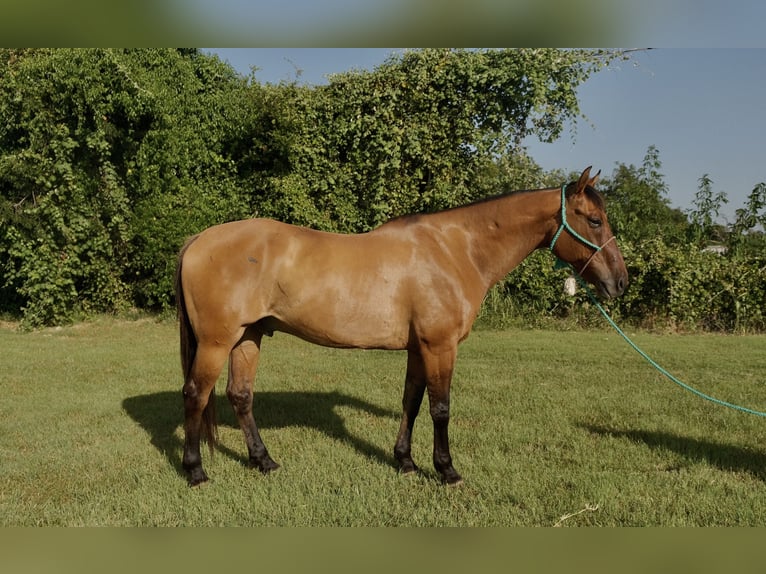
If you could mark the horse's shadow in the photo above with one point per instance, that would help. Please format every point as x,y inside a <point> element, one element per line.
<point>161,414</point>
<point>727,457</point>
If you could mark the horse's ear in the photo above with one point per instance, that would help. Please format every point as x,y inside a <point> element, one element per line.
<point>594,180</point>
<point>583,182</point>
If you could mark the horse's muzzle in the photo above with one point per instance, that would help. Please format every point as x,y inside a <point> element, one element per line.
<point>613,287</point>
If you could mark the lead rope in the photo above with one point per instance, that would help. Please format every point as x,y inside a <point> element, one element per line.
<point>651,361</point>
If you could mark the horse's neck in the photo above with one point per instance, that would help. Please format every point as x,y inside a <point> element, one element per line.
<point>504,231</point>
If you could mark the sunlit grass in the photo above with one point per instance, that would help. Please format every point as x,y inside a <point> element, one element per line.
<point>568,428</point>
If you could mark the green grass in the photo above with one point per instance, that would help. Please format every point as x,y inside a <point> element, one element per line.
<point>545,425</point>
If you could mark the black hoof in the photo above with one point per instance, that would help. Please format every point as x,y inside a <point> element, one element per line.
<point>452,478</point>
<point>197,477</point>
<point>408,467</point>
<point>265,466</point>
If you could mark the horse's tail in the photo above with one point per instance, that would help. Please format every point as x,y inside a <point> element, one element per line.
<point>189,351</point>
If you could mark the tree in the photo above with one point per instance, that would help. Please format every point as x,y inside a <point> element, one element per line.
<point>108,159</point>
<point>420,132</point>
<point>706,207</point>
<point>745,238</point>
<point>639,208</point>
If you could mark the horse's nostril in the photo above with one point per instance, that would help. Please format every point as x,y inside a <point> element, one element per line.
<point>621,285</point>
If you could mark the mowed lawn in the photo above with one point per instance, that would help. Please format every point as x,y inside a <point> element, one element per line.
<point>548,428</point>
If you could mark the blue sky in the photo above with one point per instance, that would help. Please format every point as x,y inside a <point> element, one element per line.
<point>331,23</point>
<point>702,108</point>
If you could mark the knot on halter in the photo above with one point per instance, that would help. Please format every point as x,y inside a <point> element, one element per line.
<point>565,225</point>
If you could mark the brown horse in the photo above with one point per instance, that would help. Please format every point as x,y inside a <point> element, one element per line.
<point>414,284</point>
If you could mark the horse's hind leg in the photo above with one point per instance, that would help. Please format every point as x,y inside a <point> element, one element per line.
<point>197,389</point>
<point>243,363</point>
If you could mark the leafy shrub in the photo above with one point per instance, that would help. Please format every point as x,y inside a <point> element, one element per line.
<point>109,159</point>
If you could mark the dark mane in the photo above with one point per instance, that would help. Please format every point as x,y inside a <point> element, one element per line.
<point>480,201</point>
<point>593,194</point>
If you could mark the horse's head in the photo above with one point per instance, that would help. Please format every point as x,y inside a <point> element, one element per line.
<point>584,239</point>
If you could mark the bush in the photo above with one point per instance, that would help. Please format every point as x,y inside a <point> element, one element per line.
<point>677,288</point>
<point>108,160</point>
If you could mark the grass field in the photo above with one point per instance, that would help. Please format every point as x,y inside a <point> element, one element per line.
<point>549,428</point>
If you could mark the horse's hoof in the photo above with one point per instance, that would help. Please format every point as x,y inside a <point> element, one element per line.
<point>452,478</point>
<point>197,476</point>
<point>198,482</point>
<point>266,466</point>
<point>407,468</point>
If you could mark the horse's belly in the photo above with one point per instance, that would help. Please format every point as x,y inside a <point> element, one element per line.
<point>351,320</point>
<point>357,333</point>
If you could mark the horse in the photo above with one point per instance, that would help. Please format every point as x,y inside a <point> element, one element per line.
<point>414,283</point>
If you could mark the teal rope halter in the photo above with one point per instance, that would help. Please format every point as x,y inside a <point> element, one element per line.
<point>565,225</point>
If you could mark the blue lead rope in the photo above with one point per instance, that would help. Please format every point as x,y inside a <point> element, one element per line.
<point>635,347</point>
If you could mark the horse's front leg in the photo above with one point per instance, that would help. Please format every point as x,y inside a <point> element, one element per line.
<point>414,387</point>
<point>439,364</point>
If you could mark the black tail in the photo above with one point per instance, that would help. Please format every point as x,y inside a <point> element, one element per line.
<point>189,351</point>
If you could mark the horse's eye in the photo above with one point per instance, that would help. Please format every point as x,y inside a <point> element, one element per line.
<point>594,222</point>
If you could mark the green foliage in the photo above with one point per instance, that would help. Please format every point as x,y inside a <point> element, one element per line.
<point>703,216</point>
<point>638,202</point>
<point>687,288</point>
<point>421,132</point>
<point>747,233</point>
<point>65,209</point>
<point>109,159</point>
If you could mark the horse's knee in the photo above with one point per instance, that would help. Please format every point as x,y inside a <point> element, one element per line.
<point>440,411</point>
<point>240,399</point>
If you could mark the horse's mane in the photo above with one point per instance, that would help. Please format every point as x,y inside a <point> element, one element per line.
<point>480,201</point>
<point>594,195</point>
